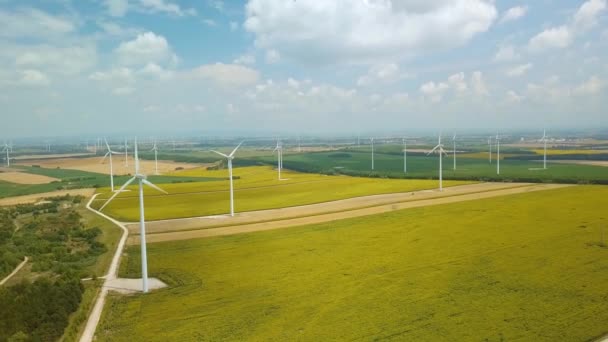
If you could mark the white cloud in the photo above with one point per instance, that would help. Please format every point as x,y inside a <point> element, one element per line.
<point>514,13</point>
<point>122,91</point>
<point>68,60</point>
<point>434,91</point>
<point>594,85</point>
<point>146,48</point>
<point>505,54</point>
<point>117,75</point>
<point>272,56</point>
<point>151,109</point>
<point>563,36</point>
<point>513,97</point>
<point>478,84</point>
<point>247,59</point>
<point>234,26</point>
<point>227,75</point>
<point>33,77</point>
<point>381,74</point>
<point>156,71</point>
<point>458,82</point>
<point>363,30</point>
<point>209,22</point>
<point>518,70</point>
<point>114,29</point>
<point>33,23</point>
<point>586,16</point>
<point>557,37</point>
<point>155,6</point>
<point>117,8</point>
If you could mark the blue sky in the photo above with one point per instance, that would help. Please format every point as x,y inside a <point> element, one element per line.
<point>304,66</point>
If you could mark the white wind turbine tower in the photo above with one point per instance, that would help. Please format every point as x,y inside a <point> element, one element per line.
<point>8,158</point>
<point>141,179</point>
<point>229,159</point>
<point>279,150</point>
<point>109,154</point>
<point>497,154</point>
<point>372,154</point>
<point>155,149</point>
<point>454,141</point>
<point>404,156</point>
<point>544,140</point>
<point>490,145</point>
<point>126,154</point>
<point>439,149</point>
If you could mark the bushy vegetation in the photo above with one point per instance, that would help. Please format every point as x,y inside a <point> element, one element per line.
<point>38,311</point>
<point>59,248</point>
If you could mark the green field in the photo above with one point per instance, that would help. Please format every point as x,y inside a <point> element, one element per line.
<point>391,164</point>
<point>76,179</point>
<point>258,188</point>
<point>524,267</point>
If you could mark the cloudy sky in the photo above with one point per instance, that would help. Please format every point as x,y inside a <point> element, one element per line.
<point>301,66</point>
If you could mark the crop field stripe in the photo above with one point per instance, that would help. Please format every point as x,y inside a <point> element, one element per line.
<point>279,215</point>
<point>103,198</point>
<point>316,219</point>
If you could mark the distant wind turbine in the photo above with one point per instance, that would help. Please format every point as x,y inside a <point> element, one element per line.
<point>454,141</point>
<point>439,149</point>
<point>279,151</point>
<point>497,154</point>
<point>141,179</point>
<point>155,149</point>
<point>126,154</point>
<point>372,154</point>
<point>544,140</point>
<point>229,159</point>
<point>8,158</point>
<point>490,145</point>
<point>109,154</point>
<point>404,156</point>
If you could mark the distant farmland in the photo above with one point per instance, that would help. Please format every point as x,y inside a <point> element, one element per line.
<point>523,267</point>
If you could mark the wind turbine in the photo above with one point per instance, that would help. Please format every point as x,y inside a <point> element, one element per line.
<point>404,156</point>
<point>155,149</point>
<point>372,154</point>
<point>109,154</point>
<point>490,144</point>
<point>8,158</point>
<point>544,140</point>
<point>439,149</point>
<point>279,150</point>
<point>497,154</point>
<point>126,154</point>
<point>454,141</point>
<point>229,158</point>
<point>141,179</point>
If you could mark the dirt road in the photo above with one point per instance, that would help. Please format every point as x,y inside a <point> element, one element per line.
<point>376,205</point>
<point>17,269</point>
<point>37,197</point>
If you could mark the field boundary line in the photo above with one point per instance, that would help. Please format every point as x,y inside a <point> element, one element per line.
<point>15,271</point>
<point>95,315</point>
<point>323,218</point>
<point>520,185</point>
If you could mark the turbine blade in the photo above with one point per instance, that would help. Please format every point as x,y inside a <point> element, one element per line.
<point>108,146</point>
<point>434,149</point>
<point>220,153</point>
<point>236,148</point>
<point>104,158</point>
<point>136,158</point>
<point>116,193</point>
<point>150,184</point>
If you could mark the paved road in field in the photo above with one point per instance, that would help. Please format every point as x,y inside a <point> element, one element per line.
<point>216,221</point>
<point>17,269</point>
<point>338,210</point>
